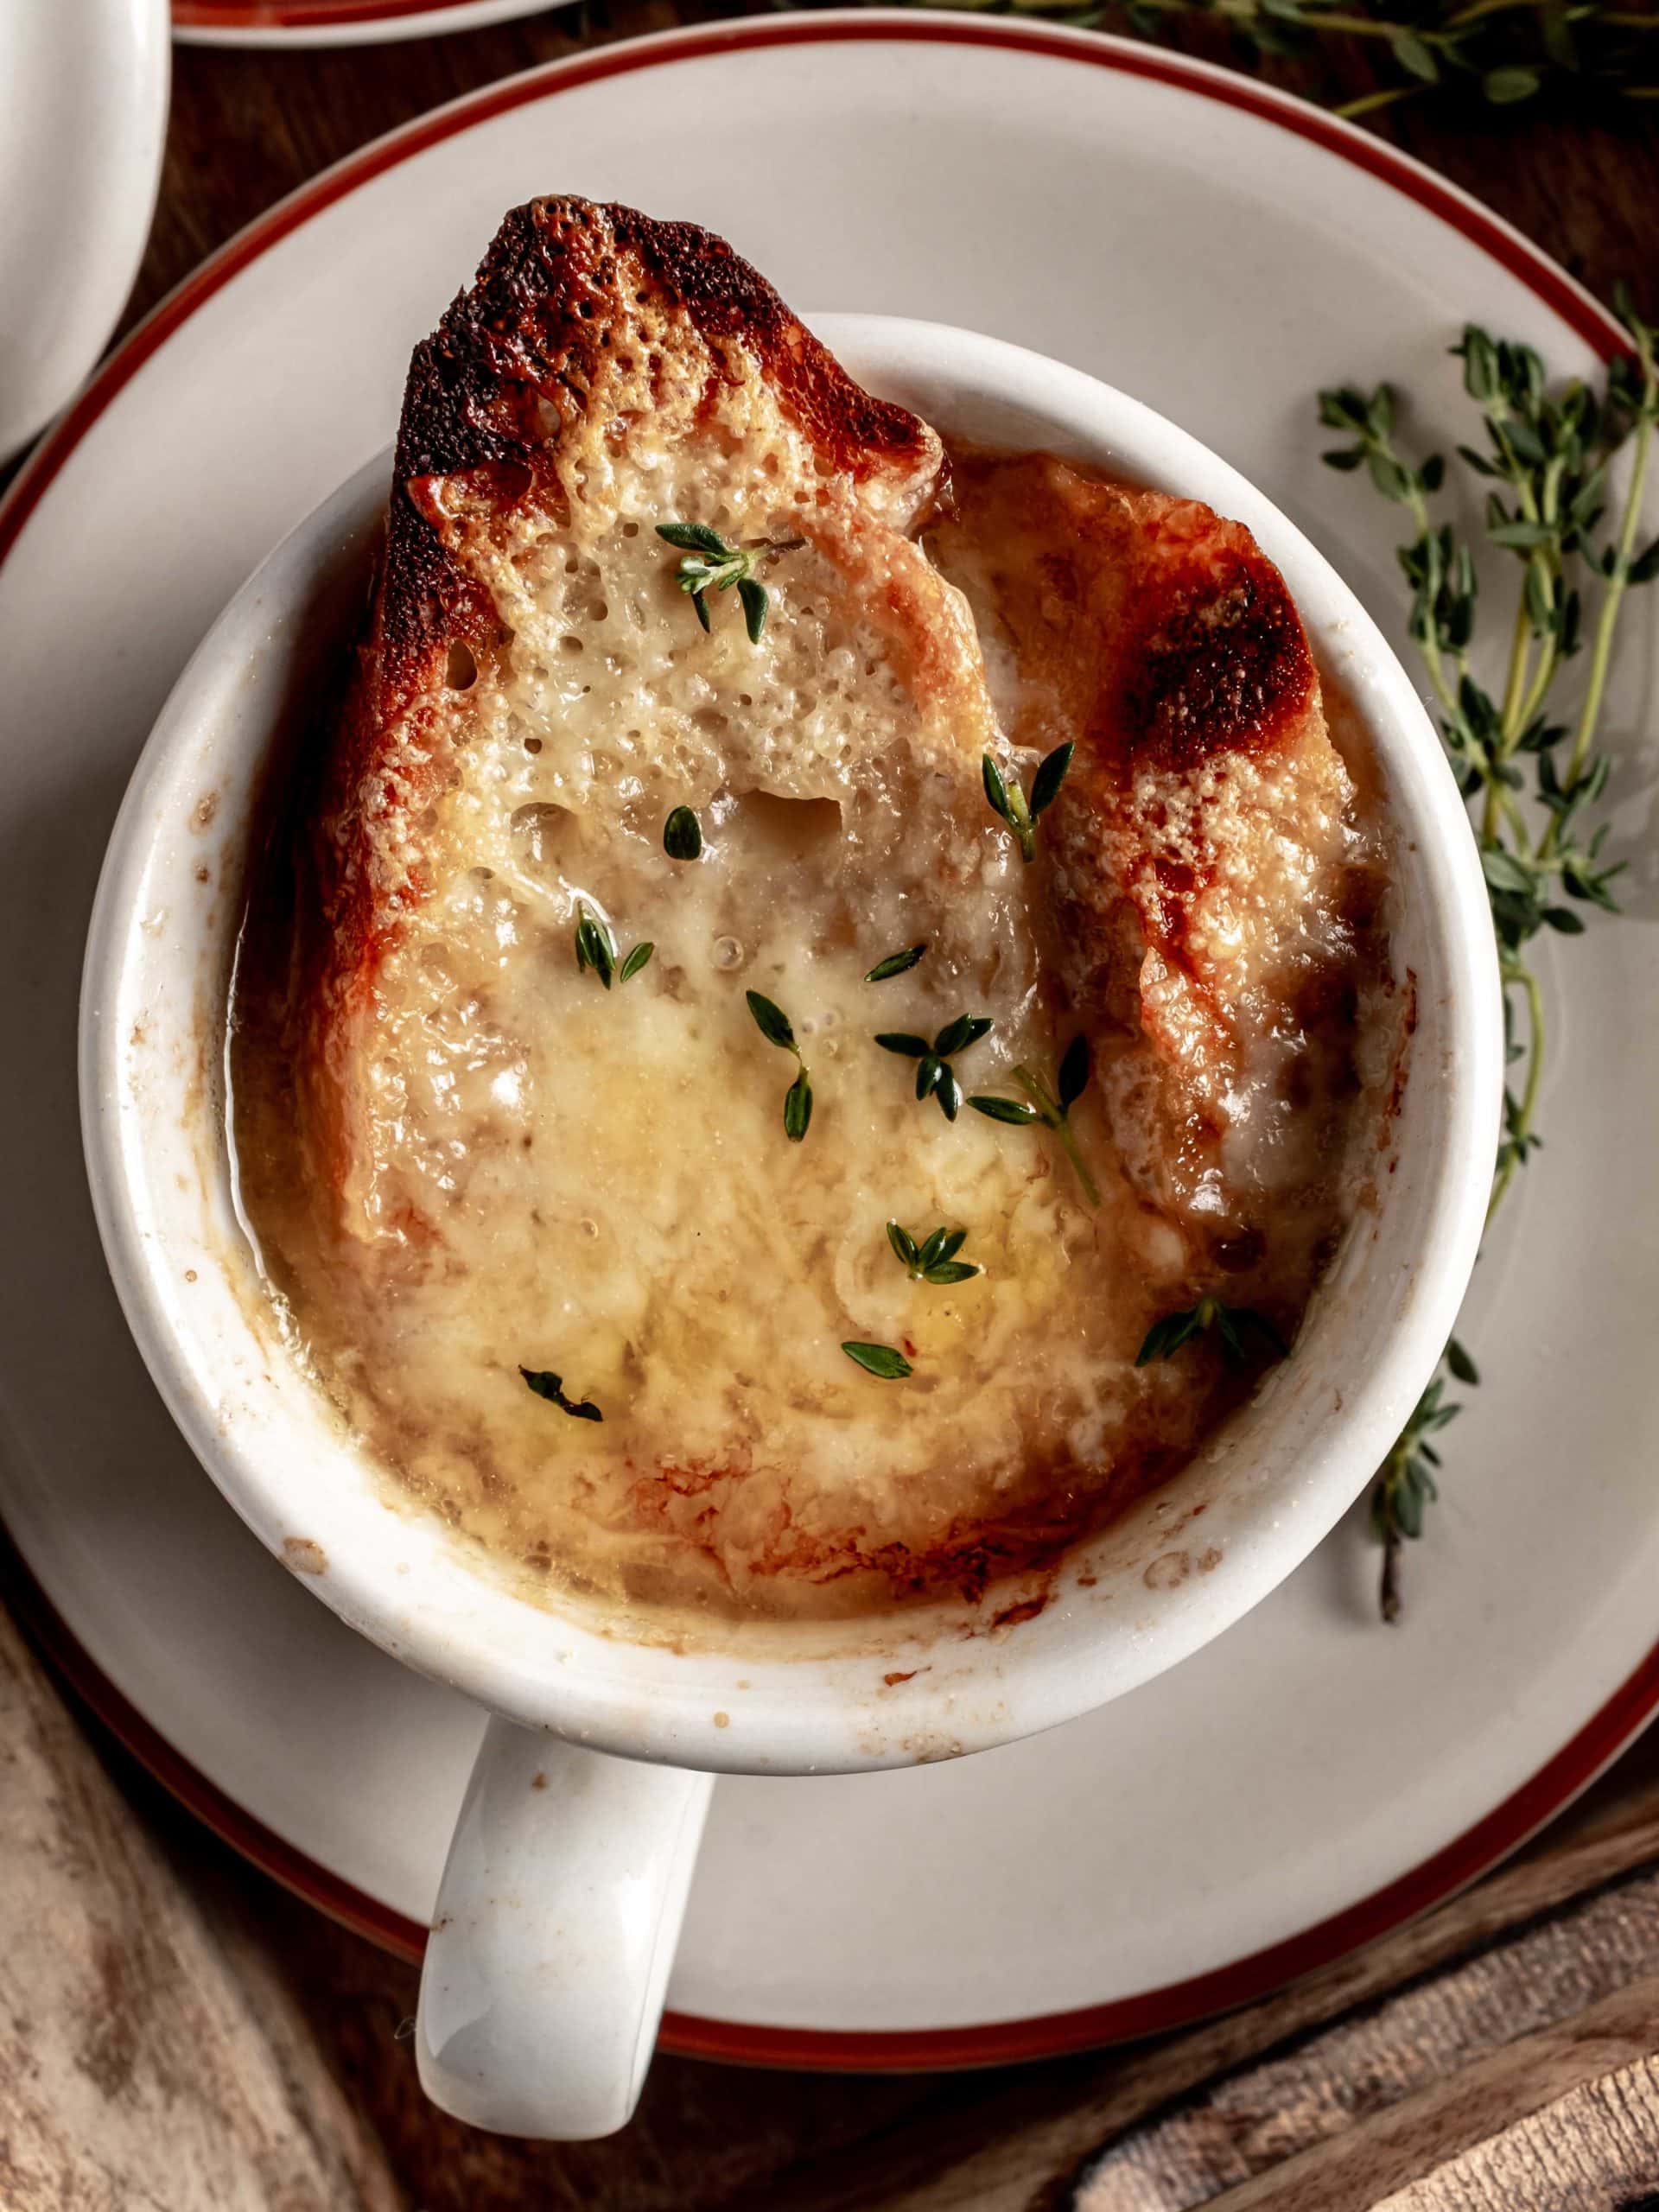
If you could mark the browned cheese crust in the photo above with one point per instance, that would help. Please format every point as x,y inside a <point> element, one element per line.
<point>1200,889</point>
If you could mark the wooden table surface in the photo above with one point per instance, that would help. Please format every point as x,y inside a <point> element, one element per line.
<point>176,2032</point>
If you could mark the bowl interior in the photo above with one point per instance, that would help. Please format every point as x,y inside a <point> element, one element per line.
<point>917,1684</point>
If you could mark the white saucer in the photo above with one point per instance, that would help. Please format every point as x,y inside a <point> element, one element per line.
<point>336,22</point>
<point>81,158</point>
<point>1313,1777</point>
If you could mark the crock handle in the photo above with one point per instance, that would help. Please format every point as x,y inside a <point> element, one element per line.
<point>556,1924</point>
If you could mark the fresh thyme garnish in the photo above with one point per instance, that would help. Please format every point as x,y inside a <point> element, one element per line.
<point>711,562</point>
<point>596,948</point>
<point>1405,1485</point>
<point>1053,1109</point>
<point>1019,812</point>
<point>934,1260</point>
<point>1547,463</point>
<point>546,1384</point>
<point>682,835</point>
<point>935,1076</point>
<point>774,1025</point>
<point>879,1359</point>
<point>896,963</point>
<point>1230,1323</point>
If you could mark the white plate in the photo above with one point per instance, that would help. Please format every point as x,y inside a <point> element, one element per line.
<point>80,158</point>
<point>336,22</point>
<point>1221,251</point>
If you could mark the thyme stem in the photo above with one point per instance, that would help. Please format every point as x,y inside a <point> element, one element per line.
<point>1602,651</point>
<point>1052,1116</point>
<point>1512,1157</point>
<point>1550,454</point>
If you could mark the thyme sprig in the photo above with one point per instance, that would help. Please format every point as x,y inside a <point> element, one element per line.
<point>935,1076</point>
<point>1231,1325</point>
<point>774,1025</point>
<point>712,563</point>
<point>1551,507</point>
<point>1406,1485</point>
<point>596,948</point>
<point>1502,53</point>
<point>546,1384</point>
<point>1009,802</point>
<point>934,1260</point>
<point>1051,1108</point>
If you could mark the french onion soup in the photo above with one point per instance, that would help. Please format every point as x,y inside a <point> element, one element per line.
<point>810,1025</point>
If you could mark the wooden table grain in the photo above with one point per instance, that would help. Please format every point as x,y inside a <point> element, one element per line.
<point>177,2032</point>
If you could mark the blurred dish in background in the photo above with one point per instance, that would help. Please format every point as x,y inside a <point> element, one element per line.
<point>334,23</point>
<point>80,159</point>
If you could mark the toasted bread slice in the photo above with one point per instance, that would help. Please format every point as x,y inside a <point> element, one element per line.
<point>1209,881</point>
<point>605,366</point>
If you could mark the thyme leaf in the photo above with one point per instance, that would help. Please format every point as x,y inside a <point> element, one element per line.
<point>896,963</point>
<point>879,1359</point>
<point>771,1021</point>
<point>956,1036</point>
<point>798,1108</point>
<point>546,1384</point>
<point>595,947</point>
<point>1015,1110</point>
<point>756,601</point>
<point>1075,1069</point>
<point>694,538</point>
<point>905,1247</point>
<point>1050,774</point>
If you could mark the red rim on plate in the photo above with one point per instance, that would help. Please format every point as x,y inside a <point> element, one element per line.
<point>1152,2011</point>
<point>299,15</point>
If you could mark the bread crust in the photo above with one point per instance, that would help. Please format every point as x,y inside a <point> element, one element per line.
<point>562,286</point>
<point>569,290</point>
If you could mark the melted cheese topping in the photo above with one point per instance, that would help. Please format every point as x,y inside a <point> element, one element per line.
<point>547,1174</point>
